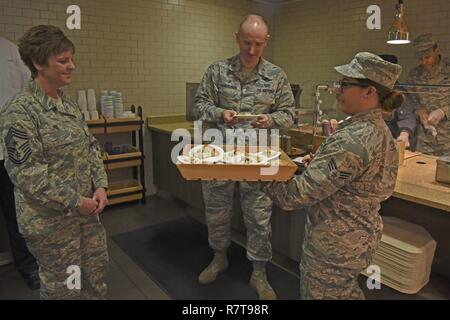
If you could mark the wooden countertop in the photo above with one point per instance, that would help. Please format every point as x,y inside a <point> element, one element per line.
<point>167,124</point>
<point>416,183</point>
<point>169,127</point>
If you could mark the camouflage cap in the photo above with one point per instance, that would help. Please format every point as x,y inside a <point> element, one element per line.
<point>423,43</point>
<point>366,65</point>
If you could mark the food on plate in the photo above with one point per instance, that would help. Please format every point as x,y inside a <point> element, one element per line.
<point>212,154</point>
<point>246,116</point>
<point>205,154</point>
<point>239,157</point>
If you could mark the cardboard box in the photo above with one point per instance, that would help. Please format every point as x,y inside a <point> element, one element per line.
<point>281,169</point>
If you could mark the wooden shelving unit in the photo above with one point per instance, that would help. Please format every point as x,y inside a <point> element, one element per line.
<point>128,190</point>
<point>125,191</point>
<point>124,160</point>
<point>118,125</point>
<point>96,126</point>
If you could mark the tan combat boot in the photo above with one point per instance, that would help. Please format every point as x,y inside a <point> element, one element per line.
<point>259,283</point>
<point>218,265</point>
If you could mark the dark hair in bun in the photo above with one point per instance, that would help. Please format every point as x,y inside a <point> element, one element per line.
<point>389,99</point>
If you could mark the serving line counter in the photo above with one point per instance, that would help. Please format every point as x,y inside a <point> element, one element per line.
<point>417,198</point>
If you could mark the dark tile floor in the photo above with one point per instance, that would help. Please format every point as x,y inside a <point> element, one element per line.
<point>127,281</point>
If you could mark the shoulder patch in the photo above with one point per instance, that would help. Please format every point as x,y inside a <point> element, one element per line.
<point>18,145</point>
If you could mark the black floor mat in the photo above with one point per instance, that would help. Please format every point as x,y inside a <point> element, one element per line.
<point>174,253</point>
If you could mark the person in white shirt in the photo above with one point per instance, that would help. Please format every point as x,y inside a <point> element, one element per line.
<point>13,77</point>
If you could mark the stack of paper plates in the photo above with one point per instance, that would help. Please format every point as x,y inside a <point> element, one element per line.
<point>404,256</point>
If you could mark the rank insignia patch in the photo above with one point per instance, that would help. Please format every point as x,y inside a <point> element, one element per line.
<point>332,166</point>
<point>18,146</point>
<point>344,175</point>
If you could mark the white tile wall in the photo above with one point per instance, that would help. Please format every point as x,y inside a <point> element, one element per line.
<point>311,37</point>
<point>148,49</point>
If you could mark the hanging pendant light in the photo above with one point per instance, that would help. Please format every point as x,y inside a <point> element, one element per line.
<point>398,33</point>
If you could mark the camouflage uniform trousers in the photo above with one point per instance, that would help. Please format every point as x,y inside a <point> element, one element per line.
<point>257,211</point>
<point>78,241</point>
<point>320,280</point>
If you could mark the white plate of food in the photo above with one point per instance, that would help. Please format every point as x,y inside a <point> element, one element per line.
<point>206,154</point>
<point>184,159</point>
<point>233,157</point>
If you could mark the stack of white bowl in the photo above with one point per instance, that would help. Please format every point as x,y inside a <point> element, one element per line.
<point>92,104</point>
<point>107,104</point>
<point>118,103</point>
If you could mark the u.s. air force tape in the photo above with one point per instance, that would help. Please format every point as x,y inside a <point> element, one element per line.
<point>18,145</point>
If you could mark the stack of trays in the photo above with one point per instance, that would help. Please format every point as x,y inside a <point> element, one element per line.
<point>405,255</point>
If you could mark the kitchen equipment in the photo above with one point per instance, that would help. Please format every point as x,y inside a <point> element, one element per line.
<point>191,90</point>
<point>286,143</point>
<point>296,91</point>
<point>443,169</point>
<point>401,152</point>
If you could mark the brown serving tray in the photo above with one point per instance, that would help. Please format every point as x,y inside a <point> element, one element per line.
<point>238,172</point>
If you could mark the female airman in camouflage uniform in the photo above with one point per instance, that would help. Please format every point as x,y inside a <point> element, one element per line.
<point>351,173</point>
<point>57,171</point>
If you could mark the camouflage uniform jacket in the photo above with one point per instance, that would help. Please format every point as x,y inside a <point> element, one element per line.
<point>265,91</point>
<point>52,158</point>
<point>439,98</point>
<point>351,173</point>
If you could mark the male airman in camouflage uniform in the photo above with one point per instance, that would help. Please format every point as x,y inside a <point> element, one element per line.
<point>243,83</point>
<point>53,160</point>
<point>351,173</point>
<point>433,108</point>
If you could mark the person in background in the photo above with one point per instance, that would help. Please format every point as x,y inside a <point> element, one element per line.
<point>351,173</point>
<point>433,106</point>
<point>13,77</point>
<point>55,165</point>
<point>243,83</point>
<point>403,121</point>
